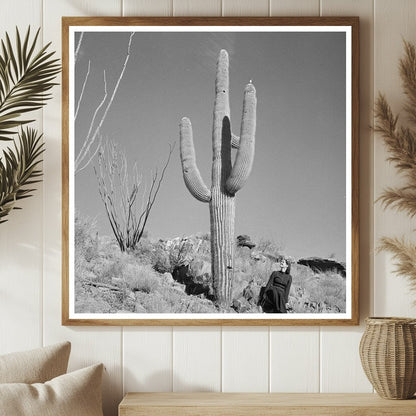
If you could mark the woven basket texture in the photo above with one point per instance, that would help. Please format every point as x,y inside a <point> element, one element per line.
<point>388,356</point>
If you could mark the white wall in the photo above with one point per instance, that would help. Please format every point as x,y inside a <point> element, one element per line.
<point>282,359</point>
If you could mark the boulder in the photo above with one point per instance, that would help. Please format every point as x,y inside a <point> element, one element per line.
<point>167,278</point>
<point>194,285</point>
<point>245,241</point>
<point>320,265</point>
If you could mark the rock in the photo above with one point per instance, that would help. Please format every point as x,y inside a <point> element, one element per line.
<point>318,265</point>
<point>194,285</point>
<point>178,287</point>
<point>241,305</point>
<point>182,274</point>
<point>184,246</point>
<point>201,269</point>
<point>244,241</point>
<point>167,278</point>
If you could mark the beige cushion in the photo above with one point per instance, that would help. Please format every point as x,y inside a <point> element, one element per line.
<point>73,394</point>
<point>35,366</point>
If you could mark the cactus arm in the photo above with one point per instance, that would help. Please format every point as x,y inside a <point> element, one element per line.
<point>235,141</point>
<point>191,175</point>
<point>221,110</point>
<point>245,155</point>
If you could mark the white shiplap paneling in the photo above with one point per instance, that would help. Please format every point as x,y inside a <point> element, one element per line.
<point>21,237</point>
<point>20,13</point>
<point>294,360</point>
<point>197,359</point>
<point>294,8</point>
<point>394,21</point>
<point>147,7</point>
<point>245,359</point>
<point>89,345</point>
<point>245,8</point>
<point>197,8</point>
<point>341,371</point>
<point>147,359</point>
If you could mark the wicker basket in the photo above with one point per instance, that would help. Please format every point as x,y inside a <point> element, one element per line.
<point>388,356</point>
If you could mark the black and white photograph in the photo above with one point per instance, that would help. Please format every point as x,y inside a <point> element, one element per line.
<point>210,173</point>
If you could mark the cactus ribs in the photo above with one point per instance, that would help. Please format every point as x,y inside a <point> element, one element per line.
<point>227,178</point>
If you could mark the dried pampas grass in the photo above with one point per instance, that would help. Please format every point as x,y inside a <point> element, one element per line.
<point>401,143</point>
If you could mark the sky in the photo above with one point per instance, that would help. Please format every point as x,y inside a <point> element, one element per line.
<point>295,194</point>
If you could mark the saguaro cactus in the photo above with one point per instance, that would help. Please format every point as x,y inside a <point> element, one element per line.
<point>227,178</point>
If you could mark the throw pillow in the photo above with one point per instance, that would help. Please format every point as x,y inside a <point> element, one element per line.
<point>73,394</point>
<point>35,366</point>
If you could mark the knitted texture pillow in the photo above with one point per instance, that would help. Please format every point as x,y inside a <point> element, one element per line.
<point>35,366</point>
<point>73,394</point>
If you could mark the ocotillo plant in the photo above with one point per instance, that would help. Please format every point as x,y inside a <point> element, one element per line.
<point>227,178</point>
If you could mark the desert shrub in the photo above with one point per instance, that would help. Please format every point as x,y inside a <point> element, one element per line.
<point>151,303</point>
<point>242,260</point>
<point>145,251</point>
<point>167,259</point>
<point>108,248</point>
<point>329,288</point>
<point>80,267</point>
<point>205,244</point>
<point>182,253</point>
<point>160,259</point>
<point>241,281</point>
<point>261,271</point>
<point>163,260</point>
<point>172,299</point>
<point>193,304</point>
<point>269,248</point>
<point>249,268</point>
<point>86,300</point>
<point>203,236</point>
<point>87,304</point>
<point>139,277</point>
<point>165,300</point>
<point>311,292</point>
<point>86,237</point>
<point>106,270</point>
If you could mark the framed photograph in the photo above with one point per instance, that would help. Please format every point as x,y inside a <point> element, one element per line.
<point>210,171</point>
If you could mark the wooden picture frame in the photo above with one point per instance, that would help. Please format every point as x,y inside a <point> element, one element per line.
<point>321,101</point>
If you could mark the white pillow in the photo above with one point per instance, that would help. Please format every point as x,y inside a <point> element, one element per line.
<point>73,394</point>
<point>35,366</point>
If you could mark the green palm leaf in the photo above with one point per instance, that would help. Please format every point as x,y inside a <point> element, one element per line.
<point>19,170</point>
<point>25,80</point>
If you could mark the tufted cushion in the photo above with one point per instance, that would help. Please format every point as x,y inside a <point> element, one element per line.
<point>73,394</point>
<point>35,366</point>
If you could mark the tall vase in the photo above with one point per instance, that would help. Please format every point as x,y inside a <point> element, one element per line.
<point>388,356</point>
